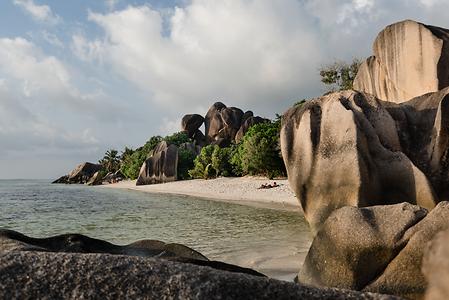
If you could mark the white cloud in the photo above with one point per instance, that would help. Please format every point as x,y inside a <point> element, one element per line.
<point>35,72</point>
<point>86,50</point>
<point>41,13</point>
<point>52,39</point>
<point>244,52</point>
<point>40,109</point>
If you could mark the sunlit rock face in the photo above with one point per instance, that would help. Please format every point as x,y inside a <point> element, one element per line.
<point>349,148</point>
<point>410,59</point>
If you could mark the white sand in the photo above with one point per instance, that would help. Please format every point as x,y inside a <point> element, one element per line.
<point>240,190</point>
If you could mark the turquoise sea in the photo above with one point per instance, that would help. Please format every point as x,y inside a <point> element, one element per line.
<point>271,241</point>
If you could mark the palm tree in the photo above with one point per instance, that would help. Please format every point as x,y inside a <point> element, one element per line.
<point>110,161</point>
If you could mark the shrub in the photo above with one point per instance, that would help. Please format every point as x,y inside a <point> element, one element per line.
<point>203,163</point>
<point>259,152</point>
<point>185,163</point>
<point>221,161</point>
<point>133,160</point>
<point>177,138</point>
<point>340,75</point>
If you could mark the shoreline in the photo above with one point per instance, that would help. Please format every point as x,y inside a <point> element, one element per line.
<point>235,190</point>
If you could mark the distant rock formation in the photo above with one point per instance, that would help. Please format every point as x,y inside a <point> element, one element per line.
<point>374,249</point>
<point>247,123</point>
<point>191,124</point>
<point>223,125</point>
<point>82,174</point>
<point>113,177</point>
<point>78,267</point>
<point>161,166</point>
<point>349,148</point>
<point>410,59</point>
<point>96,179</point>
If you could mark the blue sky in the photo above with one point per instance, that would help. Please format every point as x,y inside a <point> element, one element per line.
<point>80,77</point>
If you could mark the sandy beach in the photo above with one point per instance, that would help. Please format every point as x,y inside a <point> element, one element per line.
<point>239,190</point>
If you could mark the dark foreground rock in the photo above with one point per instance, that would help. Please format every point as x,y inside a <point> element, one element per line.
<point>76,243</point>
<point>436,267</point>
<point>34,275</point>
<point>74,266</point>
<point>376,249</point>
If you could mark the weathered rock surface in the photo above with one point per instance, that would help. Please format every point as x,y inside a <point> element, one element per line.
<point>77,243</point>
<point>376,249</point>
<point>191,123</point>
<point>15,241</point>
<point>161,166</point>
<point>224,125</point>
<point>249,122</point>
<point>34,275</point>
<point>349,148</point>
<point>96,179</point>
<point>213,122</point>
<point>113,177</point>
<point>74,266</point>
<point>81,174</point>
<point>410,59</point>
<point>435,267</point>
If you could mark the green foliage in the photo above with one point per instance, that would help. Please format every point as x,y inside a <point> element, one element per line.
<point>185,157</point>
<point>259,153</point>
<point>203,163</point>
<point>213,161</point>
<point>110,161</point>
<point>340,75</point>
<point>177,138</point>
<point>133,160</point>
<point>185,163</point>
<point>221,161</point>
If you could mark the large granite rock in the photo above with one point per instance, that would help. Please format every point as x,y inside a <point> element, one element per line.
<point>15,241</point>
<point>161,166</point>
<point>410,59</point>
<point>113,177</point>
<point>376,249</point>
<point>247,124</point>
<point>81,174</point>
<point>213,121</point>
<point>34,275</point>
<point>435,267</point>
<point>349,148</point>
<point>12,241</point>
<point>223,125</point>
<point>191,124</point>
<point>96,179</point>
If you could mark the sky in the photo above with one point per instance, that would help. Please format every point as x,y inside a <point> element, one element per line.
<point>80,77</point>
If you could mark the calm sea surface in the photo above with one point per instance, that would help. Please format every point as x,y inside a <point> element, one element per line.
<point>268,240</point>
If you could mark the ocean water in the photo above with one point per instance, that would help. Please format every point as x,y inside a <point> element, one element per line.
<point>271,241</point>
